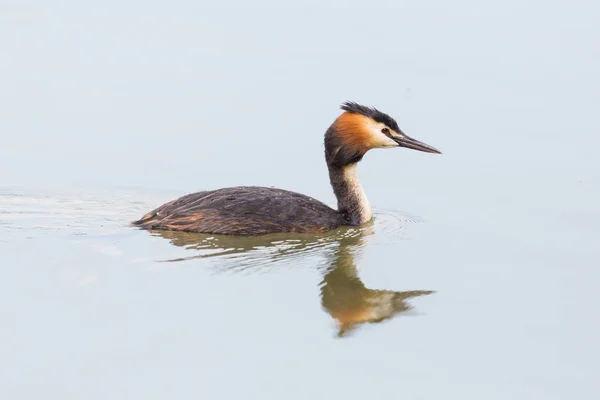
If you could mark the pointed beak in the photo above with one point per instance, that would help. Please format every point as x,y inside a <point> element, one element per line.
<point>410,143</point>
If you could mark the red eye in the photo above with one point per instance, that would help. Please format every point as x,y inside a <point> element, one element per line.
<point>385,131</point>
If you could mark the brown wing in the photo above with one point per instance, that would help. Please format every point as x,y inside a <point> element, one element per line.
<point>243,210</point>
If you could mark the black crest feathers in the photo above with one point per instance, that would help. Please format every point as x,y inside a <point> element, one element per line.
<point>370,112</point>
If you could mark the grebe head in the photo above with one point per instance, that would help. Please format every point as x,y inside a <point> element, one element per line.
<point>360,129</point>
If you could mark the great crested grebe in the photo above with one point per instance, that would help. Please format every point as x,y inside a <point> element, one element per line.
<point>253,210</point>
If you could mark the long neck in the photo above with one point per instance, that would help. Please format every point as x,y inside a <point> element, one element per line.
<point>352,201</point>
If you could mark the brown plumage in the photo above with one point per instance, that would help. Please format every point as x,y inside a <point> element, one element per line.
<point>243,210</point>
<point>253,210</point>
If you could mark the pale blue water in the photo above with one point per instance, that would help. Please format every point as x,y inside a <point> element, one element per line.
<point>113,109</point>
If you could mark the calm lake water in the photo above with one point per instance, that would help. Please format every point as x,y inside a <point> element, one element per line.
<point>477,279</point>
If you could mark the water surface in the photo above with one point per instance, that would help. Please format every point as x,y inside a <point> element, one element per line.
<point>476,280</point>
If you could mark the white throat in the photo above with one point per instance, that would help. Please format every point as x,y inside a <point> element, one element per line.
<point>356,191</point>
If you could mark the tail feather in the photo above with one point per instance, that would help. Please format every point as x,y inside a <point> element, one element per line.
<point>144,219</point>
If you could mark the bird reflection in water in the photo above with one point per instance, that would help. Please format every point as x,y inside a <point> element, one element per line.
<point>343,295</point>
<point>349,301</point>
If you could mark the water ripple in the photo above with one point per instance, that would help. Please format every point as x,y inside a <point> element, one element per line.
<point>237,253</point>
